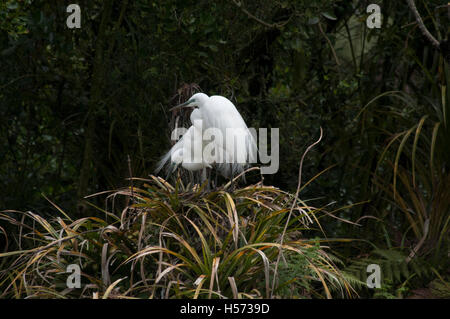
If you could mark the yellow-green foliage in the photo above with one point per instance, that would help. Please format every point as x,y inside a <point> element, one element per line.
<point>173,241</point>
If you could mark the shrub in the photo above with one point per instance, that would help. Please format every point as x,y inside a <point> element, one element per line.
<point>175,241</point>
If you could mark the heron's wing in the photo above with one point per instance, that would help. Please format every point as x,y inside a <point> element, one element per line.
<point>221,113</point>
<point>162,162</point>
<point>175,150</point>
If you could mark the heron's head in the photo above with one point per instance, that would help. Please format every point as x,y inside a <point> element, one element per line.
<point>196,100</point>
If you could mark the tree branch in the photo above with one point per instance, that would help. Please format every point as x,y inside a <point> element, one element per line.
<point>280,252</point>
<point>422,26</point>
<point>274,25</point>
<point>330,44</point>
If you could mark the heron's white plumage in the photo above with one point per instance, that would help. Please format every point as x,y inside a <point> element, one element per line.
<point>219,113</point>
<point>187,152</point>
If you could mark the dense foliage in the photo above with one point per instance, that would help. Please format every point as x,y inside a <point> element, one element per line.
<point>75,104</point>
<point>177,242</point>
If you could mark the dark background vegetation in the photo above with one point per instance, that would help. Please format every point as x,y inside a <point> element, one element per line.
<point>74,103</point>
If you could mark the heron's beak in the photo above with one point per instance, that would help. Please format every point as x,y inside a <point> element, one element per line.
<point>185,104</point>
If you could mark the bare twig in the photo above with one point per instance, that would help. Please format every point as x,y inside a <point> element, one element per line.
<point>421,241</point>
<point>238,176</point>
<point>292,207</point>
<point>330,44</point>
<point>17,79</point>
<point>422,26</point>
<point>269,25</point>
<point>131,175</point>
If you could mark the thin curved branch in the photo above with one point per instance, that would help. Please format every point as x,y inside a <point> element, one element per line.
<point>330,44</point>
<point>422,26</point>
<point>269,25</point>
<point>292,207</point>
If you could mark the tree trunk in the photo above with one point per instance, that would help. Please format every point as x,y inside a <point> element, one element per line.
<point>87,167</point>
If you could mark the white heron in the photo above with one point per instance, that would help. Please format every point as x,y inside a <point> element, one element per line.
<point>187,151</point>
<point>232,148</point>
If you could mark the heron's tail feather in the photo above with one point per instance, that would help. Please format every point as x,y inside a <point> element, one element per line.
<point>229,170</point>
<point>162,162</point>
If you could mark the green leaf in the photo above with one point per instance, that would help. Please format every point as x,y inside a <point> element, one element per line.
<point>329,16</point>
<point>313,20</point>
<point>213,48</point>
<point>12,5</point>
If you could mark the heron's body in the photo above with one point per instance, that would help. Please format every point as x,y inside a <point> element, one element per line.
<point>184,152</point>
<point>218,113</point>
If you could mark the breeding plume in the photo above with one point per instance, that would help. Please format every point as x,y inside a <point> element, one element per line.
<point>218,138</point>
